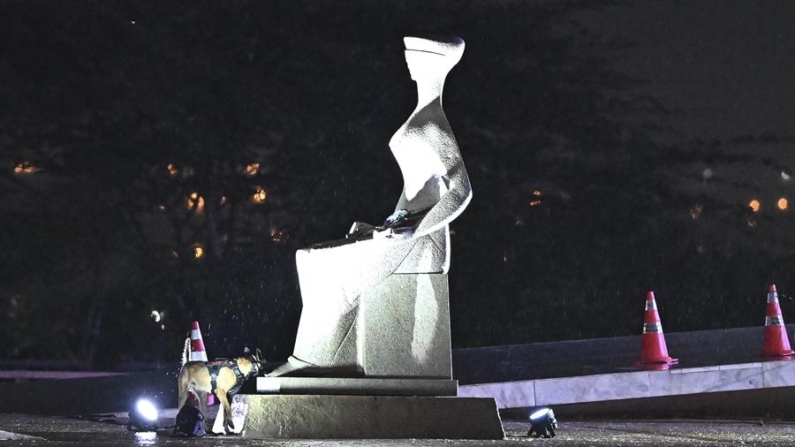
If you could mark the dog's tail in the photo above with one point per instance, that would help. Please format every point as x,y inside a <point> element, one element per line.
<point>186,352</point>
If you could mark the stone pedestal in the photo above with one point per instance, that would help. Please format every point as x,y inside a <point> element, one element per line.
<point>370,417</point>
<point>405,328</point>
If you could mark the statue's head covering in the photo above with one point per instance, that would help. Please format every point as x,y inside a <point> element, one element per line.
<point>452,47</point>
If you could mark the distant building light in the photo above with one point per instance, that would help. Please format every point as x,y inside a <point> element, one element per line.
<point>754,204</point>
<point>538,193</point>
<point>785,176</point>
<point>695,212</point>
<point>223,200</point>
<point>534,203</point>
<point>175,254</point>
<point>276,235</point>
<point>252,169</point>
<point>157,316</point>
<point>25,168</point>
<point>751,222</point>
<point>161,207</point>
<point>259,195</point>
<point>783,203</point>
<point>172,170</point>
<point>198,251</point>
<point>195,201</point>
<point>707,173</point>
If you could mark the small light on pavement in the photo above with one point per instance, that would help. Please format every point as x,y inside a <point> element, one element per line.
<point>543,423</point>
<point>143,416</point>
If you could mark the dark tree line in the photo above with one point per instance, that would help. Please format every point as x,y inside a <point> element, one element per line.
<point>183,151</point>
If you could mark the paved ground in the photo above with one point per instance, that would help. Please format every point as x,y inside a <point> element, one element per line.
<point>20,430</point>
<point>563,359</point>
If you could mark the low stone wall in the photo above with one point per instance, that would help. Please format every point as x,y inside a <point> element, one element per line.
<point>86,396</point>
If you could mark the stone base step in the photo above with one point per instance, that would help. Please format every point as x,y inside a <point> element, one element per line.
<point>359,386</point>
<point>370,417</point>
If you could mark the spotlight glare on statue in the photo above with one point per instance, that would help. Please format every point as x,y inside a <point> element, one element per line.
<point>543,423</point>
<point>143,416</point>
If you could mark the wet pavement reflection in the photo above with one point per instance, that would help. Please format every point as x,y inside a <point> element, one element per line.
<point>23,430</point>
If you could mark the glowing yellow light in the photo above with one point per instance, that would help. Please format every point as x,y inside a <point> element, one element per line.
<point>25,168</point>
<point>252,169</point>
<point>538,193</point>
<point>196,201</point>
<point>223,200</point>
<point>260,195</point>
<point>754,205</point>
<point>172,170</point>
<point>276,235</point>
<point>198,251</point>
<point>535,202</point>
<point>783,203</point>
<point>695,212</point>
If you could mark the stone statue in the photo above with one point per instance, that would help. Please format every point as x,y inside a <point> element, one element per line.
<point>375,304</point>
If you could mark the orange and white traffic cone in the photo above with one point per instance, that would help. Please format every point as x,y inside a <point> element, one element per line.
<point>776,339</point>
<point>654,349</point>
<point>198,353</point>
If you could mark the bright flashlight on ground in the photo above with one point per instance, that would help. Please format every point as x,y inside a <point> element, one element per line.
<point>147,410</point>
<point>143,416</point>
<point>543,423</point>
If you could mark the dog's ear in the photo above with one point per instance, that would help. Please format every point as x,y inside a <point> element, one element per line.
<point>246,351</point>
<point>258,356</point>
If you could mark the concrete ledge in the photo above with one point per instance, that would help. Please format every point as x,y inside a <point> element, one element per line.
<point>7,436</point>
<point>636,384</point>
<point>55,375</point>
<point>370,417</point>
<point>84,396</point>
<point>757,404</point>
<point>366,387</point>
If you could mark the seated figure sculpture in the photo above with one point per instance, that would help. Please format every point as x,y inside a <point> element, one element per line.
<point>375,304</point>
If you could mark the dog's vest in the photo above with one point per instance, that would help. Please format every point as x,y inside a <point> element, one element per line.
<point>215,366</point>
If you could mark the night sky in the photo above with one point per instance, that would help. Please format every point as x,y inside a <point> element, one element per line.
<point>162,163</point>
<point>722,69</point>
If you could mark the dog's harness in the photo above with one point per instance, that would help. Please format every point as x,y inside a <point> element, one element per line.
<point>215,366</point>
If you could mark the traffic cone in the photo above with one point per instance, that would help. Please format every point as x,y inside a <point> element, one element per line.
<point>198,353</point>
<point>776,339</point>
<point>654,349</point>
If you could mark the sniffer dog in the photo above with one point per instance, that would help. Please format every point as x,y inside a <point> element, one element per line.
<point>222,377</point>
